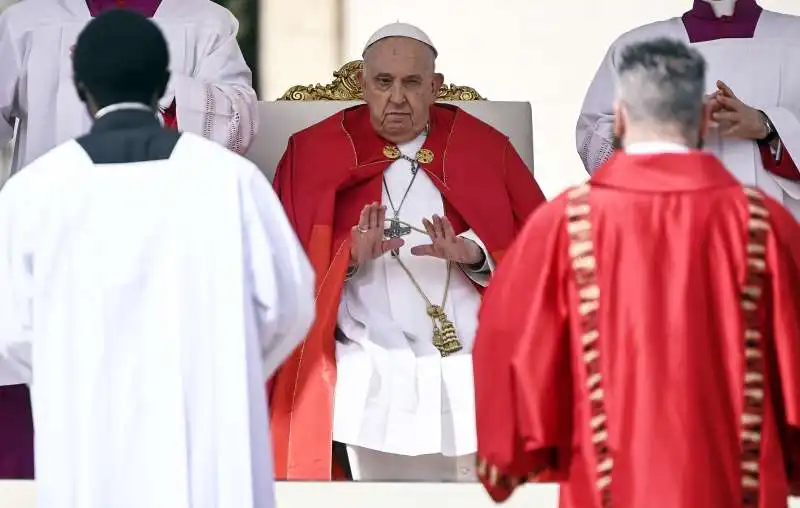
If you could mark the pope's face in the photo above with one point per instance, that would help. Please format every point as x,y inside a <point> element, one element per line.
<point>722,7</point>
<point>400,86</point>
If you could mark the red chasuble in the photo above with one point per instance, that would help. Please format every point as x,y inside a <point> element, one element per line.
<point>328,173</point>
<point>641,343</point>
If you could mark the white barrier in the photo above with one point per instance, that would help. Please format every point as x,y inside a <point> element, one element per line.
<point>357,495</point>
<point>364,495</point>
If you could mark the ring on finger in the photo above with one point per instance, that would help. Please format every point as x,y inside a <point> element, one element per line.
<point>363,229</point>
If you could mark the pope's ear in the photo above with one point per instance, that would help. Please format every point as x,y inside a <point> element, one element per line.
<point>360,78</point>
<point>438,81</point>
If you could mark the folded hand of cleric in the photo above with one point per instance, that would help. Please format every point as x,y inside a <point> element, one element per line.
<point>445,244</point>
<point>734,118</point>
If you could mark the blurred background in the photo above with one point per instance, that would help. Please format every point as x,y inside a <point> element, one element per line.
<point>543,52</point>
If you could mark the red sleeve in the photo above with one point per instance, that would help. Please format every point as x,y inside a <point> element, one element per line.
<point>783,166</point>
<point>522,368</point>
<point>783,251</point>
<point>282,184</point>
<point>522,188</point>
<point>170,116</point>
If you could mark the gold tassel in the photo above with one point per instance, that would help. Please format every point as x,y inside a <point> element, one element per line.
<point>445,338</point>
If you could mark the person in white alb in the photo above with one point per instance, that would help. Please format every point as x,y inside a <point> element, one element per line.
<point>209,94</point>
<point>753,83</point>
<point>150,284</point>
<point>404,206</point>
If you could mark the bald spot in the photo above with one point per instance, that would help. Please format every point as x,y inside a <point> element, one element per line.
<point>400,53</point>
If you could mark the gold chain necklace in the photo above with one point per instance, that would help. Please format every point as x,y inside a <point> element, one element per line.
<point>445,337</point>
<point>398,228</point>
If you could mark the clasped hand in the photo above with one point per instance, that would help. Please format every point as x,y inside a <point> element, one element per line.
<point>368,241</point>
<point>734,118</point>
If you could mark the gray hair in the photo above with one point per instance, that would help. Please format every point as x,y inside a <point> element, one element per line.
<point>661,83</point>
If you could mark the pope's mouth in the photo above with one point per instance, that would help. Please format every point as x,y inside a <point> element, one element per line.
<point>396,117</point>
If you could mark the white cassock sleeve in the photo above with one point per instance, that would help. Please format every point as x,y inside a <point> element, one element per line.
<point>218,102</point>
<point>788,127</point>
<point>785,115</point>
<point>10,67</point>
<point>282,277</point>
<point>482,276</point>
<point>16,300</point>
<point>594,132</point>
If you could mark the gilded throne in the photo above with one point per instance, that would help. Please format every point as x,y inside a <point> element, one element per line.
<point>304,105</point>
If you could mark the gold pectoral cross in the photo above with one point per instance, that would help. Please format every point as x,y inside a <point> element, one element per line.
<point>445,338</point>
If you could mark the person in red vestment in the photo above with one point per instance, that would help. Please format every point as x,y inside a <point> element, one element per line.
<point>404,207</point>
<point>210,94</point>
<point>640,343</point>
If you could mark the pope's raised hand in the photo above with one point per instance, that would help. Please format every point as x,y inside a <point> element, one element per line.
<point>367,237</point>
<point>445,244</point>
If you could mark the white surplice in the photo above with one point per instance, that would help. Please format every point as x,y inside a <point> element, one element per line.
<point>146,307</point>
<point>394,392</point>
<point>764,72</point>
<point>211,83</point>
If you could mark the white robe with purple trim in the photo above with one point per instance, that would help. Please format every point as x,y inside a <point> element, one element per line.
<point>764,72</point>
<point>211,83</point>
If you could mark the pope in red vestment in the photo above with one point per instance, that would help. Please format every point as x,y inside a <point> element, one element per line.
<point>329,174</point>
<point>641,341</point>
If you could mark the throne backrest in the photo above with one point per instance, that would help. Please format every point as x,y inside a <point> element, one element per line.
<point>302,106</point>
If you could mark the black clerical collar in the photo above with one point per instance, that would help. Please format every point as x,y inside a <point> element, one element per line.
<point>125,116</point>
<point>125,133</point>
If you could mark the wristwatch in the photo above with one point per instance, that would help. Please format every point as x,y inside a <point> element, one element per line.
<point>772,134</point>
